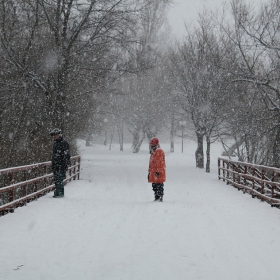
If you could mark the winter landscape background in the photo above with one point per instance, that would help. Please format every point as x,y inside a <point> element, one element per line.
<point>111,72</point>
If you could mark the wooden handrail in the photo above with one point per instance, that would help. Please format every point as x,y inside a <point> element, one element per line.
<point>258,180</point>
<point>18,191</point>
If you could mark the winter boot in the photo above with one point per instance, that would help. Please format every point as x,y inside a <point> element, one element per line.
<point>157,197</point>
<point>161,198</point>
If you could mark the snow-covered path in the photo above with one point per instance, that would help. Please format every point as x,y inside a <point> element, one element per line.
<point>109,228</point>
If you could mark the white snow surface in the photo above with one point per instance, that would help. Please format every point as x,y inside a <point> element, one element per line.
<point>107,227</point>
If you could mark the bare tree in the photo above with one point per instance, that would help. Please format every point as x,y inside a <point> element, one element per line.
<point>255,35</point>
<point>56,59</point>
<point>145,85</point>
<point>201,79</point>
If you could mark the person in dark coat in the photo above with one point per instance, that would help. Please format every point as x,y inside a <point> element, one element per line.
<point>60,161</point>
<point>157,169</point>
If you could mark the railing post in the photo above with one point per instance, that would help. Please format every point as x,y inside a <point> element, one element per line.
<point>11,195</point>
<point>262,190</point>
<point>245,172</point>
<point>12,191</point>
<point>224,171</point>
<point>253,183</point>
<point>45,173</point>
<point>70,171</point>
<point>11,179</point>
<point>25,186</point>
<point>272,186</point>
<point>233,173</point>
<point>36,185</point>
<point>218,168</point>
<point>238,176</point>
<point>227,172</point>
<point>79,164</point>
<point>75,169</point>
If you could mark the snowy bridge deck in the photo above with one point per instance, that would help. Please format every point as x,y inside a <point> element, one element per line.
<point>108,228</point>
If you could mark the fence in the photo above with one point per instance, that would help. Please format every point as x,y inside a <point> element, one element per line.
<point>260,181</point>
<point>23,184</point>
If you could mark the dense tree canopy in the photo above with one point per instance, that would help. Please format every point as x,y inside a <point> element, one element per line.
<point>73,64</point>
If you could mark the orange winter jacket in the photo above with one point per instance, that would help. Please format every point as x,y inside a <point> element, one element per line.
<point>157,164</point>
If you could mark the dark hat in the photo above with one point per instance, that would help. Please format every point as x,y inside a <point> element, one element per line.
<point>55,131</point>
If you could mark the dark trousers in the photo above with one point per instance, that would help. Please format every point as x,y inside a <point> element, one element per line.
<point>158,189</point>
<point>59,185</point>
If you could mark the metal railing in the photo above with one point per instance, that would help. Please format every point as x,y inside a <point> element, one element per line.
<point>20,185</point>
<point>260,181</point>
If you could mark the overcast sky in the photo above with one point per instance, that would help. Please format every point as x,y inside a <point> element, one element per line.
<point>187,11</point>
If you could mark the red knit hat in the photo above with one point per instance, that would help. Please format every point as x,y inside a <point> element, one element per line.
<point>154,141</point>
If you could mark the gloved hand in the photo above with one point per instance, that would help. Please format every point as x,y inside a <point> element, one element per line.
<point>157,173</point>
<point>148,176</point>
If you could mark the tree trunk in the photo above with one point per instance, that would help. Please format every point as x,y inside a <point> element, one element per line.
<point>276,148</point>
<point>120,133</point>
<point>138,138</point>
<point>199,156</point>
<point>88,139</point>
<point>111,139</point>
<point>208,154</point>
<point>172,145</point>
<point>172,134</point>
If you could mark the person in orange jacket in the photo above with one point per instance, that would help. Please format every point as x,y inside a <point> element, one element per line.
<point>157,169</point>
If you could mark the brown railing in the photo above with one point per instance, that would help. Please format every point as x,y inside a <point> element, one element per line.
<point>260,181</point>
<point>20,185</point>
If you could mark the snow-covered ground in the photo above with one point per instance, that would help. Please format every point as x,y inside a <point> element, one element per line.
<point>109,228</point>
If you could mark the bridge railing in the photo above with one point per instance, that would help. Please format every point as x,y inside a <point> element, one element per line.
<point>20,185</point>
<point>260,181</point>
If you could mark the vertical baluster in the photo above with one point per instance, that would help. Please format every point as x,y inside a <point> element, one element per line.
<point>224,171</point>
<point>238,176</point>
<point>253,182</point>
<point>245,172</point>
<point>70,170</point>
<point>272,186</point>
<point>12,191</point>
<point>75,174</point>
<point>25,186</point>
<point>233,173</point>
<point>227,172</point>
<point>35,183</point>
<point>262,185</point>
<point>79,164</point>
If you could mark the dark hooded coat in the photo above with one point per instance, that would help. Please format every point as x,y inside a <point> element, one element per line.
<point>61,155</point>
